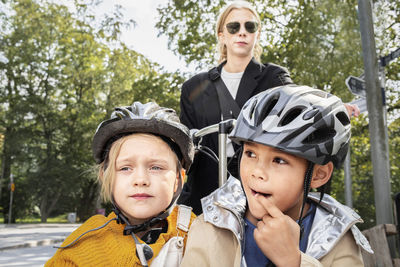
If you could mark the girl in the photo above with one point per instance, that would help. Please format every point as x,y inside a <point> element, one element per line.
<point>141,151</point>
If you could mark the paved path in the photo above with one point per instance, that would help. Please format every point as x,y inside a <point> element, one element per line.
<point>33,235</point>
<point>31,244</point>
<point>27,257</point>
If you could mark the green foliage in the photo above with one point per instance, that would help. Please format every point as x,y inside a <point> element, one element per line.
<point>63,71</point>
<point>36,219</point>
<point>318,41</point>
<point>187,22</point>
<point>61,75</point>
<point>362,175</point>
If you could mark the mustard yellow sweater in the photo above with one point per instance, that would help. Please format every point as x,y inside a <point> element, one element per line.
<point>108,246</point>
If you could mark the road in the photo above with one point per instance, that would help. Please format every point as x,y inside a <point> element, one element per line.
<point>31,244</point>
<point>32,257</point>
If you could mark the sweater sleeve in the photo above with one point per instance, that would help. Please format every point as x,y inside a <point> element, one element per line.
<point>59,260</point>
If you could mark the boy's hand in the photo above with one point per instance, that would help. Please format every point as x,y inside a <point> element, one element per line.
<point>277,235</point>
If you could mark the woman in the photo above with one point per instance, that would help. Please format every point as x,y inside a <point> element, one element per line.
<point>219,94</point>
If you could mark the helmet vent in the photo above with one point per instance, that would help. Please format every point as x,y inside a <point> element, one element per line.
<point>253,107</point>
<point>267,109</point>
<point>291,116</point>
<point>343,118</point>
<point>320,136</point>
<point>310,114</point>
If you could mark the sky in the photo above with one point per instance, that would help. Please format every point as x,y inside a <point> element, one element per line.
<point>143,37</point>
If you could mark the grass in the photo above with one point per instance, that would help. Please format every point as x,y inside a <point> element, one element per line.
<point>34,219</point>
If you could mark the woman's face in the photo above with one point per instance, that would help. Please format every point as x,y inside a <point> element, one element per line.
<point>241,43</point>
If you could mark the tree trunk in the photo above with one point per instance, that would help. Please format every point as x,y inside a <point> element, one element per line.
<point>88,202</point>
<point>45,208</point>
<point>43,214</point>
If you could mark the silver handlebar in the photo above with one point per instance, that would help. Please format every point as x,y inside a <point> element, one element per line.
<point>206,130</point>
<point>223,128</point>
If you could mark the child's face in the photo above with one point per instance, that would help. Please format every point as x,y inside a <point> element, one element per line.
<point>273,174</point>
<point>146,177</point>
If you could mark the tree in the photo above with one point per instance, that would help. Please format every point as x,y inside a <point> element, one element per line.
<point>34,73</point>
<point>62,75</point>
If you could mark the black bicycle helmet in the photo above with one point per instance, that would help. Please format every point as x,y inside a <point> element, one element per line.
<point>144,118</point>
<point>299,120</point>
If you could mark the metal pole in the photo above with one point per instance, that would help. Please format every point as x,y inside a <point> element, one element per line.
<point>11,197</point>
<point>347,181</point>
<point>222,167</point>
<point>224,128</point>
<point>376,114</point>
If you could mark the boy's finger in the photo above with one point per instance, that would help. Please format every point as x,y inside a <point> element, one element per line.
<point>269,206</point>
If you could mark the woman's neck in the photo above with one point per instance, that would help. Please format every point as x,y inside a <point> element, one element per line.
<point>237,64</point>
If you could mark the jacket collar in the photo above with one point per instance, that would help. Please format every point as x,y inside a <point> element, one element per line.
<point>332,220</point>
<point>226,207</point>
<point>248,82</point>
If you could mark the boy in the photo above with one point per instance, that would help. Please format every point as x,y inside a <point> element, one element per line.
<point>291,137</point>
<point>141,151</point>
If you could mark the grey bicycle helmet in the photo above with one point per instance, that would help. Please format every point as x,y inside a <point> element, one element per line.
<point>299,120</point>
<point>144,118</point>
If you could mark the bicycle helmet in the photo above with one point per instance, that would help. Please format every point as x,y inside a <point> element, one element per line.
<point>144,118</point>
<point>299,120</point>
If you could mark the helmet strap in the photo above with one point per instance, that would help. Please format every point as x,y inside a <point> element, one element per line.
<point>239,153</point>
<point>307,183</point>
<point>129,229</point>
<point>143,251</point>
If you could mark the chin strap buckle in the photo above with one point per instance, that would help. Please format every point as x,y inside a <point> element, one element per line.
<point>129,229</point>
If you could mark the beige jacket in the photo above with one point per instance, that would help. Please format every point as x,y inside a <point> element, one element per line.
<point>211,246</point>
<point>215,237</point>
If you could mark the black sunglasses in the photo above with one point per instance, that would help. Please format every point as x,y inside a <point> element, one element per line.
<point>234,27</point>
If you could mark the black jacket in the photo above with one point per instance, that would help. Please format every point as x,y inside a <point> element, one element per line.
<point>200,108</point>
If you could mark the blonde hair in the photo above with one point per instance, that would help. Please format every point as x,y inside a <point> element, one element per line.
<point>220,24</point>
<point>107,169</point>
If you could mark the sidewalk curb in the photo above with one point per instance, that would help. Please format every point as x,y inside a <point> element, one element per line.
<point>31,244</point>
<point>38,225</point>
